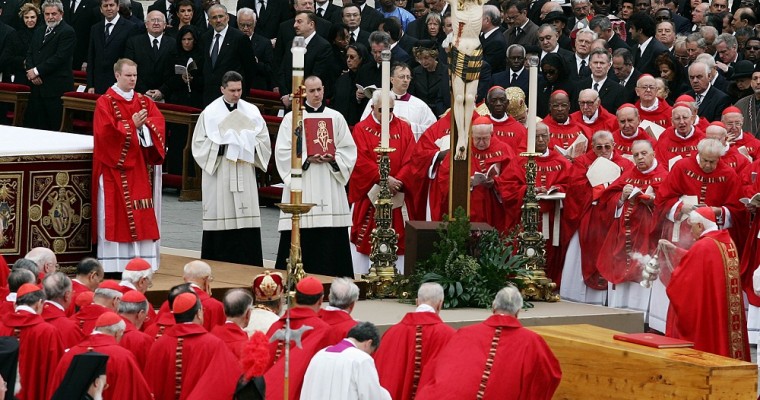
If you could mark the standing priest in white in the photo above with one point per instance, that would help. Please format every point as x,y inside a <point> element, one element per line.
<point>230,140</point>
<point>346,371</point>
<point>329,155</point>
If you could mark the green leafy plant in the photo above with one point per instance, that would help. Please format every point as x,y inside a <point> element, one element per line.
<point>472,266</point>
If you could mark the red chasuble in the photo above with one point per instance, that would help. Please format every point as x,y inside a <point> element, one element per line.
<point>233,336</point>
<point>511,132</point>
<point>71,335</point>
<point>497,359</point>
<point>421,159</point>
<point>206,367</point>
<point>367,174</point>
<point>213,309</point>
<point>563,135</point>
<point>750,258</point>
<point>485,204</point>
<point>164,321</point>
<point>735,160</point>
<point>40,348</point>
<point>77,288</point>
<point>340,323</point>
<point>662,115</point>
<point>552,171</point>
<point>750,142</point>
<point>589,218</point>
<point>138,343</point>
<point>705,294</point>
<point>720,188</point>
<point>124,164</point>
<point>623,144</point>
<point>4,273</point>
<point>603,122</point>
<point>671,144</point>
<point>312,340</point>
<point>86,317</point>
<point>125,381</point>
<point>407,349</point>
<point>637,230</point>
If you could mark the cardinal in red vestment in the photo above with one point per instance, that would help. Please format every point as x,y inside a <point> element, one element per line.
<point>584,214</point>
<point>495,359</point>
<point>733,159</point>
<point>652,108</point>
<point>58,291</point>
<point>133,309</point>
<point>125,380</point>
<point>106,298</point>
<point>309,293</point>
<point>89,275</point>
<point>187,362</point>
<point>564,130</point>
<point>343,296</point>
<point>198,274</point>
<point>129,140</point>
<point>237,307</point>
<point>734,121</point>
<point>366,176</point>
<point>40,344</point>
<point>679,140</point>
<point>626,129</point>
<point>750,258</point>
<point>410,346</point>
<point>505,128</point>
<point>138,276</point>
<point>488,158</point>
<point>705,291</point>
<point>552,176</point>
<point>592,114</point>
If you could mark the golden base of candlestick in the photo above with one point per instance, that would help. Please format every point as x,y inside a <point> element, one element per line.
<point>383,272</point>
<point>295,263</point>
<point>535,285</point>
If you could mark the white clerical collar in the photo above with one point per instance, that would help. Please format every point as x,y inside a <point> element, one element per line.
<point>60,307</point>
<point>378,122</point>
<point>126,95</point>
<point>546,153</point>
<point>654,165</point>
<point>424,308</point>
<point>331,308</point>
<point>691,133</point>
<point>308,38</point>
<point>629,137</point>
<point>26,308</point>
<point>708,230</point>
<point>593,117</point>
<point>567,122</point>
<point>654,106</point>
<point>11,297</point>
<point>487,34</point>
<point>127,284</point>
<point>309,104</point>
<point>502,119</point>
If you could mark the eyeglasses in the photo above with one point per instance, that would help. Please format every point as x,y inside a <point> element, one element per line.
<point>156,21</point>
<point>647,88</point>
<point>586,103</point>
<point>244,25</point>
<point>605,147</point>
<point>403,77</point>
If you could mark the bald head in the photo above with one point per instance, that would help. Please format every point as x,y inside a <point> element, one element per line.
<point>196,270</point>
<point>44,258</point>
<point>716,132</point>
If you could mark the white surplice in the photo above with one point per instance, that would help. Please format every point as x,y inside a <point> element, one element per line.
<point>414,111</point>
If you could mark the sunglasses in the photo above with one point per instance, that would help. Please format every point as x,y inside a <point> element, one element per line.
<point>605,147</point>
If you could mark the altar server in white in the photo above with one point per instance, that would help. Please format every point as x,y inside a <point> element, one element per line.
<point>231,140</point>
<point>346,371</point>
<point>329,156</point>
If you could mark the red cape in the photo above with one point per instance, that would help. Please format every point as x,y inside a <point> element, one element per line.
<point>4,273</point>
<point>670,145</point>
<point>213,310</point>
<point>164,320</point>
<point>637,230</point>
<point>313,340</point>
<point>422,157</point>
<point>604,122</point>
<point>123,163</point>
<point>750,142</point>
<point>512,133</point>
<point>77,289</point>
<point>750,258</point>
<point>623,144</point>
<point>340,322</point>
<point>125,381</point>
<point>523,367</point>
<point>366,174</point>
<point>86,317</point>
<point>136,342</point>
<point>661,116</point>
<point>71,335</point>
<point>396,358</point>
<point>564,135</point>
<point>209,369</point>
<point>233,336</point>
<point>706,298</point>
<point>40,349</point>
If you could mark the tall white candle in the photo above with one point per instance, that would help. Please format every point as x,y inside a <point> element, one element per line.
<point>532,95</point>
<point>386,87</point>
<point>299,51</point>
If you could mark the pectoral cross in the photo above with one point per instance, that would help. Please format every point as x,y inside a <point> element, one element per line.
<point>321,206</point>
<point>242,208</point>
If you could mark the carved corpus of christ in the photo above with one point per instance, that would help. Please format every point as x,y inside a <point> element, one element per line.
<point>465,61</point>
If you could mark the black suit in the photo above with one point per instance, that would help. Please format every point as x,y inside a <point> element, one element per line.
<point>287,33</point>
<point>104,53</point>
<point>262,50</point>
<point>10,10</point>
<point>317,61</point>
<point>331,13</point>
<point>362,38</point>
<point>713,103</point>
<point>398,54</point>
<point>268,22</point>
<point>203,25</point>
<point>371,19</point>
<point>616,42</point>
<point>51,57</point>
<point>235,54</point>
<point>495,50</point>
<point>171,14</point>
<point>609,93</point>
<point>645,62</point>
<point>153,70</point>
<point>417,28</point>
<point>137,10</point>
<point>11,53</point>
<point>534,12</point>
<point>721,83</point>
<point>407,42</point>
<point>683,25</point>
<point>504,79</point>
<point>86,15</point>
<point>630,87</point>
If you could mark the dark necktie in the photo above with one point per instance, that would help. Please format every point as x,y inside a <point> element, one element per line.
<point>48,31</point>
<point>262,7</point>
<point>107,32</point>
<point>518,31</point>
<point>73,5</point>
<point>584,71</point>
<point>155,47</point>
<point>699,99</point>
<point>596,87</point>
<point>320,12</point>
<point>215,50</point>
<point>353,39</point>
<point>514,77</point>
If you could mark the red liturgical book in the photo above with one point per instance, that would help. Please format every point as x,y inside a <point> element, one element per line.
<point>653,340</point>
<point>319,136</point>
